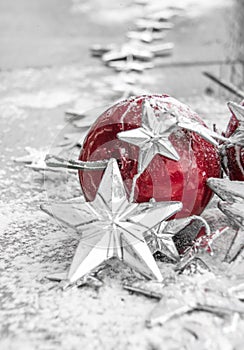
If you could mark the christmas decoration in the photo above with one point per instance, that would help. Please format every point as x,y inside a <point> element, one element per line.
<point>174,238</point>
<point>184,298</point>
<point>232,194</point>
<point>234,149</point>
<point>143,133</point>
<point>112,227</point>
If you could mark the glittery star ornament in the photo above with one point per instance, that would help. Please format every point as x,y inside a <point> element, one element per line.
<point>112,227</point>
<point>152,137</point>
<point>233,156</point>
<point>166,159</point>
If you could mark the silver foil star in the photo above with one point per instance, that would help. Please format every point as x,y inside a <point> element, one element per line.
<point>183,299</point>
<point>232,194</point>
<point>161,241</point>
<point>111,226</point>
<point>238,136</point>
<point>174,237</point>
<point>151,137</point>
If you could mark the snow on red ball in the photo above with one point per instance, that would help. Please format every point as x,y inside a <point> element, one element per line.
<point>164,179</point>
<point>234,154</point>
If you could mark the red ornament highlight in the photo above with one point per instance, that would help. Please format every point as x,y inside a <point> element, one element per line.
<point>164,179</point>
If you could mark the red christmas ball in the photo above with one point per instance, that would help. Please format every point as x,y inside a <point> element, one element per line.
<point>234,154</point>
<point>164,179</point>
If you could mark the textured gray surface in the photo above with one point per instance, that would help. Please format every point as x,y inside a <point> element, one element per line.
<point>34,312</point>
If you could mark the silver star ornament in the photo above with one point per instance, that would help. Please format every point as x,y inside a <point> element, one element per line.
<point>111,226</point>
<point>232,194</point>
<point>151,137</point>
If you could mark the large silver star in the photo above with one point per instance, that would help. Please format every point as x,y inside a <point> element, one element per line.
<point>111,226</point>
<point>238,136</point>
<point>153,136</point>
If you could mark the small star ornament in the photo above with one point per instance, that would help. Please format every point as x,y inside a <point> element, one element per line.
<point>111,226</point>
<point>186,298</point>
<point>153,136</point>
<point>232,194</point>
<point>173,238</point>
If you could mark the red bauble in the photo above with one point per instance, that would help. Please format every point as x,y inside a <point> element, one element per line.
<point>234,154</point>
<point>164,179</point>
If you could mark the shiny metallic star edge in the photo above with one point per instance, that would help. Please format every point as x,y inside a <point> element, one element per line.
<point>238,136</point>
<point>227,190</point>
<point>111,226</point>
